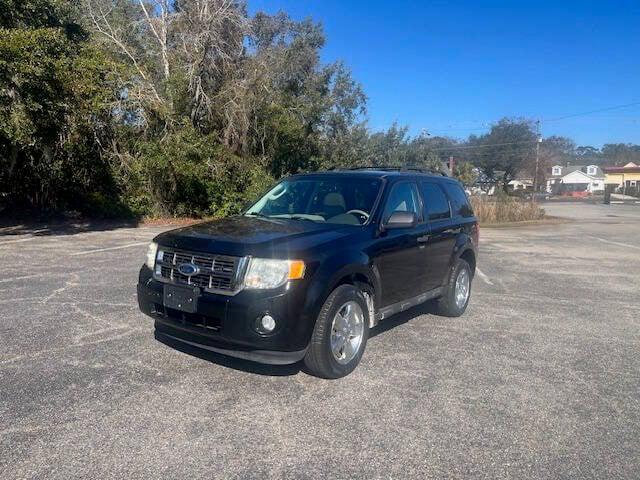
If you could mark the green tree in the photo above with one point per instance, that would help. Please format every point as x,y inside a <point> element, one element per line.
<point>507,150</point>
<point>55,94</point>
<point>253,86</point>
<point>620,153</point>
<point>588,153</point>
<point>466,173</point>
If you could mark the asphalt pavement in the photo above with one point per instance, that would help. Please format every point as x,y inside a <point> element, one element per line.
<point>539,379</point>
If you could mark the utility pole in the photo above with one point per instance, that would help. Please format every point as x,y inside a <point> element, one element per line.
<point>535,176</point>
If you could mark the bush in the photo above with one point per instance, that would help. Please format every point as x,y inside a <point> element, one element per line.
<point>189,174</point>
<point>505,209</point>
<point>102,206</point>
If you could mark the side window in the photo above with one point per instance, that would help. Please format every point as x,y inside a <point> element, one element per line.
<point>459,202</point>
<point>436,205</point>
<point>403,198</point>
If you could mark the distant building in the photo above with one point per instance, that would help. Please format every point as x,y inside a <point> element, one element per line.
<point>484,185</point>
<point>624,179</point>
<point>521,185</point>
<point>575,178</point>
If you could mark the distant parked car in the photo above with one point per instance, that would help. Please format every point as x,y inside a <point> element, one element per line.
<point>576,194</point>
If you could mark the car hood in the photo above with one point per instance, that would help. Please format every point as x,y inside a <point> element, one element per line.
<point>277,238</point>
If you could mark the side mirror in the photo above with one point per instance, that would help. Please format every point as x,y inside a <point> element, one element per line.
<point>401,220</point>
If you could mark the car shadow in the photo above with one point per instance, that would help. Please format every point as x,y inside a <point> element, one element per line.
<point>295,368</point>
<point>9,227</point>
<point>427,308</point>
<point>231,362</point>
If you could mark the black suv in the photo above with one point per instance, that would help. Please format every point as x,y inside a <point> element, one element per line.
<point>313,265</point>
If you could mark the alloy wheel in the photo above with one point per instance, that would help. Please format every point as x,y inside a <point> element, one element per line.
<point>347,330</point>
<point>462,288</point>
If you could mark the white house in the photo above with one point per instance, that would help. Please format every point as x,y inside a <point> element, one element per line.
<point>575,178</point>
<point>521,184</point>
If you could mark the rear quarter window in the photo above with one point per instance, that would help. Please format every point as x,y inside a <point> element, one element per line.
<point>460,205</point>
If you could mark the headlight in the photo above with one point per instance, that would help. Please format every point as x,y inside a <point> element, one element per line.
<point>269,273</point>
<point>152,251</point>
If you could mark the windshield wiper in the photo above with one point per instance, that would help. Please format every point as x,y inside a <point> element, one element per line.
<point>301,217</point>
<point>256,214</point>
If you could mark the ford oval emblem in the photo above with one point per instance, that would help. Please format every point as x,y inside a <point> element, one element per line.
<point>188,269</point>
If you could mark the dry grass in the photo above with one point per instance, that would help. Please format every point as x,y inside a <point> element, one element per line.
<point>505,209</point>
<point>178,221</point>
<point>488,210</point>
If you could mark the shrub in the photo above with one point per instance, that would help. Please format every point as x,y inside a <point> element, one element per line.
<point>103,206</point>
<point>505,209</point>
<point>189,174</point>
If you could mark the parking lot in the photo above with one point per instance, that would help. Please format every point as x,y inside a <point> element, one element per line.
<point>540,378</point>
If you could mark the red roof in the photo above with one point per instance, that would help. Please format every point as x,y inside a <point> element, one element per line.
<point>621,169</point>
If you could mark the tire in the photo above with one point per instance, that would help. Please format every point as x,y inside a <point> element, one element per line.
<point>447,305</point>
<point>320,358</point>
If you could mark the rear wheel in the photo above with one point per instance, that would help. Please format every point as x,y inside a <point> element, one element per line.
<point>340,335</point>
<point>457,292</point>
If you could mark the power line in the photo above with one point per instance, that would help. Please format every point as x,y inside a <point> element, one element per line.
<point>487,124</point>
<point>606,109</point>
<point>486,145</point>
<point>462,129</point>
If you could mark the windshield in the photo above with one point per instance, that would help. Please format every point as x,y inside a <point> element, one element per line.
<point>332,200</point>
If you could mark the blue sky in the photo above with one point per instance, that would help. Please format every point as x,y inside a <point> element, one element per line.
<point>454,67</point>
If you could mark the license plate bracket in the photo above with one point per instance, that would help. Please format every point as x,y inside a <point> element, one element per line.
<point>184,299</point>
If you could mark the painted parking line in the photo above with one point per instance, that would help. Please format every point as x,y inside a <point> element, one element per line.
<point>18,241</point>
<point>620,244</point>
<point>485,278</point>
<point>108,249</point>
<point>23,277</point>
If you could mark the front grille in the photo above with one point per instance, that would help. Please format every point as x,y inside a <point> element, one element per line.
<point>193,320</point>
<point>218,273</point>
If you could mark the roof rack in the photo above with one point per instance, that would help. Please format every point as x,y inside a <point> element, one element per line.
<point>403,168</point>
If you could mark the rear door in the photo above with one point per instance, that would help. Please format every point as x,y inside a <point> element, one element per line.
<point>442,233</point>
<point>463,220</point>
<point>399,255</point>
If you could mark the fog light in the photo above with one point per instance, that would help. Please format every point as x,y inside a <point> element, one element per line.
<point>267,323</point>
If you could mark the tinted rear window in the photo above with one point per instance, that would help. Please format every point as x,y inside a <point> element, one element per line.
<point>436,205</point>
<point>459,202</point>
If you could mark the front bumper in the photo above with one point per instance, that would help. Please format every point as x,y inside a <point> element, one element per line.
<point>226,324</point>
<point>260,356</point>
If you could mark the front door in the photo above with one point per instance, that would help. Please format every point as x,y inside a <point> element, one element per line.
<point>399,252</point>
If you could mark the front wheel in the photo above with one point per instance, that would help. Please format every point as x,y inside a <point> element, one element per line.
<point>457,291</point>
<point>340,335</point>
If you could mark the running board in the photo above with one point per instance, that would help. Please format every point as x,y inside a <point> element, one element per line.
<point>394,308</point>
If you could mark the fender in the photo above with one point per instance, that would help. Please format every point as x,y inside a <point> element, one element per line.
<point>463,243</point>
<point>332,271</point>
